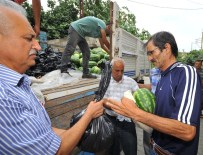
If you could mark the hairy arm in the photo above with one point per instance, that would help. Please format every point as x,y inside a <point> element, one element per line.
<point>165,125</point>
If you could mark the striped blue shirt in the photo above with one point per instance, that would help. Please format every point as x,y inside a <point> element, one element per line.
<point>25,127</point>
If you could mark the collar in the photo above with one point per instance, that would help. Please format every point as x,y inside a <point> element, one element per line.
<point>118,81</point>
<point>174,65</point>
<point>12,77</point>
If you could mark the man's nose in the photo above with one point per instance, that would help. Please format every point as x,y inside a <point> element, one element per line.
<point>120,73</point>
<point>36,45</point>
<point>149,58</point>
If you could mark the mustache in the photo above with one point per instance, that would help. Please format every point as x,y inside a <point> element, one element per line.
<point>153,60</point>
<point>32,51</point>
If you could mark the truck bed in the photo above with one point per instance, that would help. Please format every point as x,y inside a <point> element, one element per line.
<point>68,99</point>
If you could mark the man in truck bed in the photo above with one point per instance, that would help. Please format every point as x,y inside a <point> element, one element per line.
<point>85,27</point>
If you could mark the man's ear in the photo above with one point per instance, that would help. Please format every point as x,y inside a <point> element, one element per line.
<point>167,47</point>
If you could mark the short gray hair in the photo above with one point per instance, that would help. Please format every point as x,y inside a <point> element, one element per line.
<point>117,59</point>
<point>14,6</point>
<point>4,24</point>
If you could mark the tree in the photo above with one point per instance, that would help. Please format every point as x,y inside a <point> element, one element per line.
<point>189,58</point>
<point>56,21</point>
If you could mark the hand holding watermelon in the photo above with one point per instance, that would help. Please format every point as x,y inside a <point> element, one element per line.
<point>145,100</point>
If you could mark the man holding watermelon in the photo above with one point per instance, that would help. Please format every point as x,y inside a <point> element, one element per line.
<point>176,119</point>
<point>85,27</point>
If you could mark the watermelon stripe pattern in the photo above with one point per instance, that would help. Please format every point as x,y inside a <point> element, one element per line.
<point>145,99</point>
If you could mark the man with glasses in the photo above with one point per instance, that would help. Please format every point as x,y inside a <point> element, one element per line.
<point>78,31</point>
<point>176,119</point>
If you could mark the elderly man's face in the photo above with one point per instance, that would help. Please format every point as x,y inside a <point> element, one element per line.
<point>117,71</point>
<point>18,46</point>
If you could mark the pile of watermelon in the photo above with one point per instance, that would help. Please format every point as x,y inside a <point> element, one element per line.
<point>97,57</point>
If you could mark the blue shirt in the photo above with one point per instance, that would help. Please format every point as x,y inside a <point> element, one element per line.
<point>178,96</point>
<point>25,127</point>
<point>155,75</point>
<point>89,27</point>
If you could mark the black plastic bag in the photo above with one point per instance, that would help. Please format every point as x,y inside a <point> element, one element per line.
<point>100,133</point>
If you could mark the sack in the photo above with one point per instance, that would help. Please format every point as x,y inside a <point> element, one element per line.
<point>99,134</point>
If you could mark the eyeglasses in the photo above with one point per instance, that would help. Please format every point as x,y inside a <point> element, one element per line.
<point>149,53</point>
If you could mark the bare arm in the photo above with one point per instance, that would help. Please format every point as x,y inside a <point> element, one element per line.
<point>168,126</point>
<point>36,8</point>
<point>104,42</point>
<point>71,137</point>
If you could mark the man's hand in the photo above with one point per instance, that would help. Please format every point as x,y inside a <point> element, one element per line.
<point>95,109</point>
<point>126,107</point>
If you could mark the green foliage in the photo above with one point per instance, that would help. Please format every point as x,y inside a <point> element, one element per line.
<point>28,9</point>
<point>58,19</point>
<point>61,13</point>
<point>127,21</point>
<point>189,58</point>
<point>97,8</point>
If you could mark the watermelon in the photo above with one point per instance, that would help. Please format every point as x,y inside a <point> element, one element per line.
<point>145,99</point>
<point>95,70</point>
<point>107,57</point>
<point>75,59</point>
<point>94,57</point>
<point>92,64</point>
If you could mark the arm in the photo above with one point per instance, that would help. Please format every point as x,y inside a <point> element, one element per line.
<point>104,42</point>
<point>36,8</point>
<point>168,126</point>
<point>71,137</point>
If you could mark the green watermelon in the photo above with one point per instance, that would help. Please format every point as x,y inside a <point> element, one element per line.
<point>92,64</point>
<point>94,57</point>
<point>75,59</point>
<point>95,70</point>
<point>145,99</point>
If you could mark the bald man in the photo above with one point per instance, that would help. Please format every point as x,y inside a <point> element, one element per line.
<point>25,127</point>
